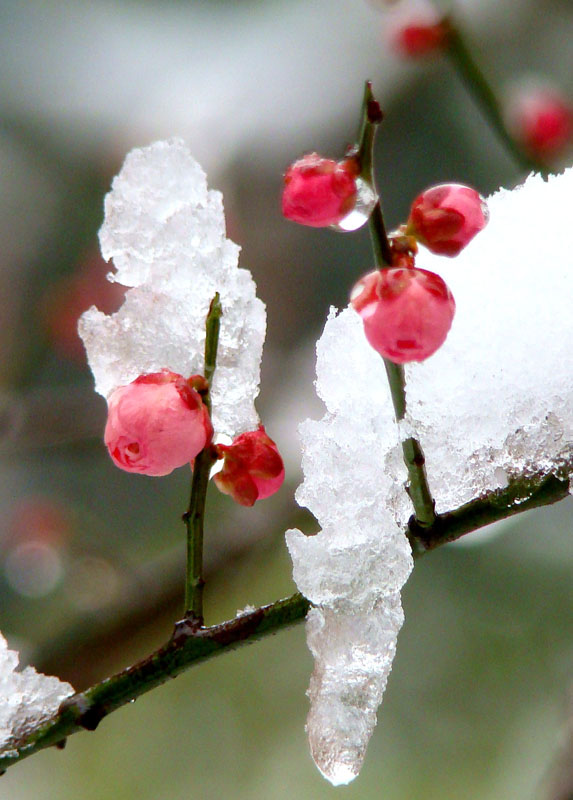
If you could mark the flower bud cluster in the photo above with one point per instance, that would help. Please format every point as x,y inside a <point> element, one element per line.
<point>159,422</point>
<point>407,312</point>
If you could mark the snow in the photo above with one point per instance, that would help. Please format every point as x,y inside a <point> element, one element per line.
<point>353,569</point>
<point>165,232</point>
<point>27,698</point>
<point>495,402</point>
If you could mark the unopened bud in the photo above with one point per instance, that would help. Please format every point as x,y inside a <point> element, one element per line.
<point>541,119</point>
<point>419,37</point>
<point>156,424</point>
<point>406,313</point>
<point>445,218</point>
<point>319,191</point>
<point>253,468</point>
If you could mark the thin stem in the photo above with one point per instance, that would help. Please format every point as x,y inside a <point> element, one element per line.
<point>212,328</point>
<point>478,85</point>
<point>370,117</point>
<point>194,522</point>
<point>418,488</point>
<point>379,239</point>
<point>195,515</point>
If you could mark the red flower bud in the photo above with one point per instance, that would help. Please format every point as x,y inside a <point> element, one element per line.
<point>541,119</point>
<point>445,218</point>
<point>419,37</point>
<point>253,468</point>
<point>319,191</point>
<point>156,424</point>
<point>406,313</point>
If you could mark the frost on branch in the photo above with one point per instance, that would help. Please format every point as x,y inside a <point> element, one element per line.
<point>27,698</point>
<point>165,232</point>
<point>495,402</point>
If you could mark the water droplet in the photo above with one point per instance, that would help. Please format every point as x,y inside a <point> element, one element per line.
<point>365,202</point>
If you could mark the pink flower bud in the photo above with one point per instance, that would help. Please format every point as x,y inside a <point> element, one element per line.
<point>318,191</point>
<point>253,468</point>
<point>157,423</point>
<point>445,218</point>
<point>419,37</point>
<point>406,313</point>
<point>541,119</point>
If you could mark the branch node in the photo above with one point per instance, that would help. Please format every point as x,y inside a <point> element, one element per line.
<point>91,719</point>
<point>187,627</point>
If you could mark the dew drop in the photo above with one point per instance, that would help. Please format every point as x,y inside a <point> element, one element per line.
<point>365,202</point>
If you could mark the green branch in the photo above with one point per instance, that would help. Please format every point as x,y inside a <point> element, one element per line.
<point>195,515</point>
<point>417,488</point>
<point>189,645</point>
<point>522,494</point>
<point>479,87</point>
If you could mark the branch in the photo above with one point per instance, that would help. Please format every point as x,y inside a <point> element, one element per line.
<point>195,515</point>
<point>522,494</point>
<point>189,646</point>
<point>418,488</point>
<point>479,87</point>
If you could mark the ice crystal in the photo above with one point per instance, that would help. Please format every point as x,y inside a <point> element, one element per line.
<point>165,231</point>
<point>27,698</point>
<point>354,568</point>
<point>496,401</point>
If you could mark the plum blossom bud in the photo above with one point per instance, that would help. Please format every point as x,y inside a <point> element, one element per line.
<point>157,423</point>
<point>319,191</point>
<point>419,37</point>
<point>445,218</point>
<point>541,119</point>
<point>253,468</point>
<point>406,313</point>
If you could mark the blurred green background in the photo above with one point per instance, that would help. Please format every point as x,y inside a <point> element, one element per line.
<point>91,559</point>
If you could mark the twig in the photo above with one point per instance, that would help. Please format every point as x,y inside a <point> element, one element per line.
<point>477,84</point>
<point>520,495</point>
<point>418,488</point>
<point>195,515</point>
